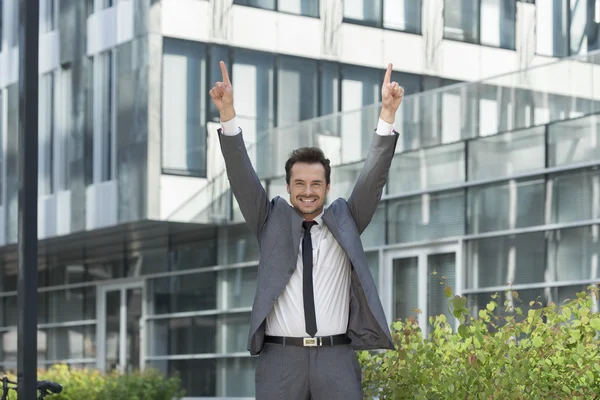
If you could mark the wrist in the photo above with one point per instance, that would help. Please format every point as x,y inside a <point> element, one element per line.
<point>226,114</point>
<point>387,115</point>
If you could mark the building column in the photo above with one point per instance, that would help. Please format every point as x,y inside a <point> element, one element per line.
<point>220,20</point>
<point>332,16</point>
<point>433,34</point>
<point>525,34</point>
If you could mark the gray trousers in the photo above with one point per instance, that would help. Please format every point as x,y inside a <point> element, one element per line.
<point>302,373</point>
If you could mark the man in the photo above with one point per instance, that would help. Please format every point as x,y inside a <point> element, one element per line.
<point>316,301</point>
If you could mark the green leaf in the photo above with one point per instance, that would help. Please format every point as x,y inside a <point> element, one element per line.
<point>448,292</point>
<point>462,330</point>
<point>491,306</point>
<point>537,341</point>
<point>595,323</point>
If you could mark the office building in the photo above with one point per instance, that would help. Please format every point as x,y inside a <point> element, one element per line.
<point>144,257</point>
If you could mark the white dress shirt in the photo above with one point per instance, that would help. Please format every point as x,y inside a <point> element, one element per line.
<point>331,278</point>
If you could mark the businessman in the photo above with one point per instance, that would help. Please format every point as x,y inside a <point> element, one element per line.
<point>316,302</point>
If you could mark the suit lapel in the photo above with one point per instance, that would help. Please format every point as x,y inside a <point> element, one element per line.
<point>296,229</point>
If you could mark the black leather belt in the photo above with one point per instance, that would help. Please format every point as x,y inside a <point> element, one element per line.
<point>318,341</point>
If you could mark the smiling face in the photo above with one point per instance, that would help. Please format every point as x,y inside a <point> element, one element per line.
<point>308,188</point>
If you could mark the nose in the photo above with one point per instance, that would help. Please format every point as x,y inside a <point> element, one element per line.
<point>307,191</point>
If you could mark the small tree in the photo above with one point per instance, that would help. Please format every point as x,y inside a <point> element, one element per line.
<point>549,352</point>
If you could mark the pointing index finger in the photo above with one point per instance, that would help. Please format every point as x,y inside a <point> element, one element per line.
<point>388,74</point>
<point>224,72</point>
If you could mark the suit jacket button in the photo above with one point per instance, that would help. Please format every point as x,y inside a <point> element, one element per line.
<point>274,298</point>
<point>292,271</point>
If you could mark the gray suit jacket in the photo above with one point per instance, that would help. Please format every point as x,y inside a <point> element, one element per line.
<point>278,228</point>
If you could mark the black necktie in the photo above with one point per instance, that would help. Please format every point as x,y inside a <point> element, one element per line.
<point>307,286</point>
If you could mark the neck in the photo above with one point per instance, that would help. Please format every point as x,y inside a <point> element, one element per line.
<point>311,216</point>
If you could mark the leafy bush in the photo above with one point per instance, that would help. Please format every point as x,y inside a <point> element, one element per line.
<point>547,352</point>
<point>89,384</point>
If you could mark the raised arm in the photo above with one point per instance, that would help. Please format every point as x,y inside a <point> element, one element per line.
<point>368,189</point>
<point>245,185</point>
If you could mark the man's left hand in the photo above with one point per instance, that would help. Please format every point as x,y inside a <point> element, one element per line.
<point>391,97</point>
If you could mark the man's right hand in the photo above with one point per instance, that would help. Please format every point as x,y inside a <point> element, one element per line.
<point>222,95</point>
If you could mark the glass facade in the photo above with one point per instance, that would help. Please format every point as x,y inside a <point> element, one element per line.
<point>494,185</point>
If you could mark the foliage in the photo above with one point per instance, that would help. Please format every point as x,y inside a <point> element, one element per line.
<point>90,384</point>
<point>546,352</point>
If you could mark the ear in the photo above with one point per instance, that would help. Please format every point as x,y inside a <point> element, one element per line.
<point>327,188</point>
<point>287,187</point>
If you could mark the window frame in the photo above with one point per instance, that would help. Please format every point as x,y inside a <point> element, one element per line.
<point>379,24</point>
<point>276,8</point>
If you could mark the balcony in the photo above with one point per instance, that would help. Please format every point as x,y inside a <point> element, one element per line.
<point>519,124</point>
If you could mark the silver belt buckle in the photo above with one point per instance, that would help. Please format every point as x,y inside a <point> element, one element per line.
<point>312,342</point>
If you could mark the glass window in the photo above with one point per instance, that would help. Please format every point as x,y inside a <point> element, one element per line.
<point>174,294</point>
<point>197,255</point>
<point>67,305</point>
<point>427,169</point>
<point>374,235</point>
<point>572,254</point>
<point>551,27</point>
<point>223,377</point>
<point>46,125</point>
<point>499,261</point>
<point>221,334</point>
<point>242,246</point>
<point>406,287</point>
<point>237,287</point>
<point>308,8</point>
<point>266,4</point>
<point>252,75</point>
<point>461,20</point>
<point>1,23</point>
<point>366,11</point>
<point>104,117</point>
<point>585,27</point>
<point>360,87</point>
<point>498,23</point>
<point>63,343</point>
<point>574,141</point>
<point>47,14</point>
<point>575,197</point>
<point>516,204</point>
<point>297,94</point>
<point>184,108</point>
<point>426,217</point>
<point>507,154</point>
<point>2,120</point>
<point>403,15</point>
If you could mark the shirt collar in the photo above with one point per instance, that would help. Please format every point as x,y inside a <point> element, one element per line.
<point>319,219</point>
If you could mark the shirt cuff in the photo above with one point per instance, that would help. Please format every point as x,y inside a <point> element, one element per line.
<point>384,128</point>
<point>230,128</point>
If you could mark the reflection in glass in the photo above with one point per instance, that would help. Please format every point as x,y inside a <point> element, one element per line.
<point>363,10</point>
<point>297,90</point>
<point>575,196</point>
<point>461,20</point>
<point>426,217</point>
<point>516,204</point>
<point>266,4</point>
<point>309,8</point>
<point>551,28</point>
<point>441,272</point>
<point>427,169</point>
<point>374,235</point>
<point>112,307</point>
<point>403,15</point>
<point>134,315</point>
<point>573,253</point>
<point>406,287</point>
<point>184,107</point>
<point>237,287</point>
<point>193,292</point>
<point>507,154</point>
<point>498,23</point>
<point>574,141</point>
<point>223,377</point>
<point>498,261</point>
<point>584,30</point>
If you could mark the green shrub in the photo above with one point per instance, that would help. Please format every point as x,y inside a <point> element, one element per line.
<point>549,352</point>
<point>89,384</point>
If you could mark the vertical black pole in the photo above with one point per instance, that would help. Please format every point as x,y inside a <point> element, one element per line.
<point>28,194</point>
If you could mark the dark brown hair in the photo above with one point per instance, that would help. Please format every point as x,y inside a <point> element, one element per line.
<point>310,155</point>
